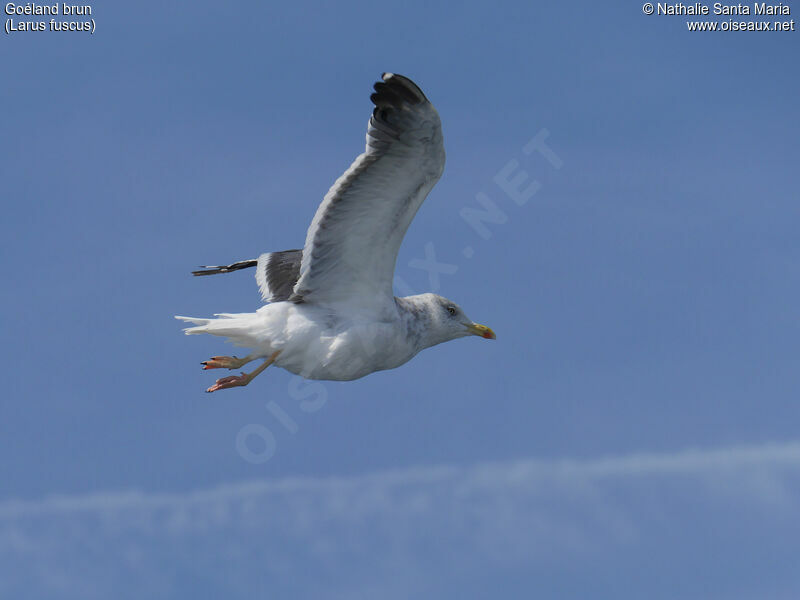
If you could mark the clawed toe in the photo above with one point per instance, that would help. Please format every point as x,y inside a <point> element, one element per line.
<point>229,382</point>
<point>231,362</point>
<point>222,362</point>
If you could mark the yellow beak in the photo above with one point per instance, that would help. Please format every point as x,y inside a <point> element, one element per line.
<point>482,331</point>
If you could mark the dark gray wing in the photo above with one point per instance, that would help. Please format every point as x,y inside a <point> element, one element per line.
<point>215,269</point>
<point>277,274</point>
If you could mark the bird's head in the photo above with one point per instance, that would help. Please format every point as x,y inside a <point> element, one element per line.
<point>449,320</point>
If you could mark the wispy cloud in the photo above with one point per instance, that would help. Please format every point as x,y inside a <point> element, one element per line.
<point>522,514</point>
<point>516,473</point>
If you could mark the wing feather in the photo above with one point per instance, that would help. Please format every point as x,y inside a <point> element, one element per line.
<point>276,274</point>
<point>352,244</point>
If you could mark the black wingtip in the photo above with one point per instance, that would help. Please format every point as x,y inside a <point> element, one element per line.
<point>207,270</point>
<point>394,90</point>
<point>213,270</point>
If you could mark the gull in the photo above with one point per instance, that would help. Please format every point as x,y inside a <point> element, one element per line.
<point>331,312</point>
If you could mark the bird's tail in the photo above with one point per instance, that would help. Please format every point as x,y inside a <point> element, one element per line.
<point>237,327</point>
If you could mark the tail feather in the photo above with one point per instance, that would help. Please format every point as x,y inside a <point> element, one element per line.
<point>238,328</point>
<point>195,320</point>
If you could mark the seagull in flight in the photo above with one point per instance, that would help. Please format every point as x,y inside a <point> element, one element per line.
<point>331,311</point>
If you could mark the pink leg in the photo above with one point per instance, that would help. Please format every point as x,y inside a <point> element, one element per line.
<point>229,382</point>
<point>243,379</point>
<point>225,362</point>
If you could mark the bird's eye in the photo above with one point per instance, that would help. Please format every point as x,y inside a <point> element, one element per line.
<point>452,310</point>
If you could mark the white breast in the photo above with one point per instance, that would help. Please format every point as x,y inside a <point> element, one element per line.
<point>319,346</point>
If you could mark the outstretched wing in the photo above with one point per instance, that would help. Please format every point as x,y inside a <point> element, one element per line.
<point>276,272</point>
<point>352,243</point>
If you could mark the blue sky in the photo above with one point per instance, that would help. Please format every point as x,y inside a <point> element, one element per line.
<point>632,432</point>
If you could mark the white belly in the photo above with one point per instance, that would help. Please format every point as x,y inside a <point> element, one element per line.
<point>317,347</point>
